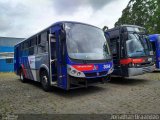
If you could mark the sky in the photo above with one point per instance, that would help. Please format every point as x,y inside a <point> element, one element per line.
<point>23,18</point>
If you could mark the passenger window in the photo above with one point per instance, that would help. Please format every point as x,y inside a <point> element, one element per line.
<point>44,37</point>
<point>33,41</point>
<point>33,48</point>
<point>43,42</point>
<point>42,47</point>
<point>26,45</point>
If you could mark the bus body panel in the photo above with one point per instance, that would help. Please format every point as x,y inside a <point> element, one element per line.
<point>118,37</point>
<point>156,46</point>
<point>57,67</point>
<point>140,71</point>
<point>92,70</point>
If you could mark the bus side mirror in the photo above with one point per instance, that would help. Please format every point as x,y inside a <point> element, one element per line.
<point>105,28</point>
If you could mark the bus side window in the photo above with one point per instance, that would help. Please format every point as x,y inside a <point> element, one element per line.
<point>33,48</point>
<point>43,42</point>
<point>26,45</point>
<point>53,46</point>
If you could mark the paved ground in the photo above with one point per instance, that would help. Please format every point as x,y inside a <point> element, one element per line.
<point>140,94</point>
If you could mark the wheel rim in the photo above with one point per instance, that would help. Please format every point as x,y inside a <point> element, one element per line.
<point>21,76</point>
<point>44,80</point>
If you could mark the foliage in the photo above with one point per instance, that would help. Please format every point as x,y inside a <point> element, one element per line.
<point>144,13</point>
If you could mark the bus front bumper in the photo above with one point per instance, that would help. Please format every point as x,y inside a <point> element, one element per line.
<point>140,71</point>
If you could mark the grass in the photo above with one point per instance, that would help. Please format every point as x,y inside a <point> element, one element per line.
<point>7,74</point>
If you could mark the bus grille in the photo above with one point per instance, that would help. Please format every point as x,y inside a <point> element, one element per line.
<point>145,64</point>
<point>95,74</point>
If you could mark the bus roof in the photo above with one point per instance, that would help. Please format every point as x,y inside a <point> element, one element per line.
<point>125,25</point>
<point>56,23</point>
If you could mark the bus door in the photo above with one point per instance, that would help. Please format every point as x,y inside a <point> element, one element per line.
<point>53,59</point>
<point>58,69</point>
<point>114,42</point>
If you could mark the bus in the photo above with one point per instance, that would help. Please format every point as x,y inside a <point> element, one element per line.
<point>66,55</point>
<point>131,50</point>
<point>155,40</point>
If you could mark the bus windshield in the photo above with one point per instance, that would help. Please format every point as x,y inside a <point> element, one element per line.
<point>147,44</point>
<point>137,45</point>
<point>86,42</point>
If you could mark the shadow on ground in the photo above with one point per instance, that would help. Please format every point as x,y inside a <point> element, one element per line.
<point>78,92</point>
<point>156,71</point>
<point>70,93</point>
<point>127,81</point>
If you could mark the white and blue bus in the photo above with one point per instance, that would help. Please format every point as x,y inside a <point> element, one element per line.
<point>67,55</point>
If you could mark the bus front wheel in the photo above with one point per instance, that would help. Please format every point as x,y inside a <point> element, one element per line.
<point>45,81</point>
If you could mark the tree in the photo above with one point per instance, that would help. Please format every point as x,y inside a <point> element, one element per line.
<point>145,13</point>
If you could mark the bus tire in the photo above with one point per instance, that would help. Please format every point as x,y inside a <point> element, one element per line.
<point>109,78</point>
<point>22,77</point>
<point>45,81</point>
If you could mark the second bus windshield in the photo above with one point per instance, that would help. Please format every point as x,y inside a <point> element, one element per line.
<point>85,42</point>
<point>137,45</point>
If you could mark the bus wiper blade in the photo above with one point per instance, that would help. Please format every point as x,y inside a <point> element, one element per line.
<point>139,51</point>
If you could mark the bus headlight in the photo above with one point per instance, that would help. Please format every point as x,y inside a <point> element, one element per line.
<point>78,74</point>
<point>73,71</point>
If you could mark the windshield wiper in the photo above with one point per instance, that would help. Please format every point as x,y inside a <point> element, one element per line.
<point>84,61</point>
<point>139,51</point>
